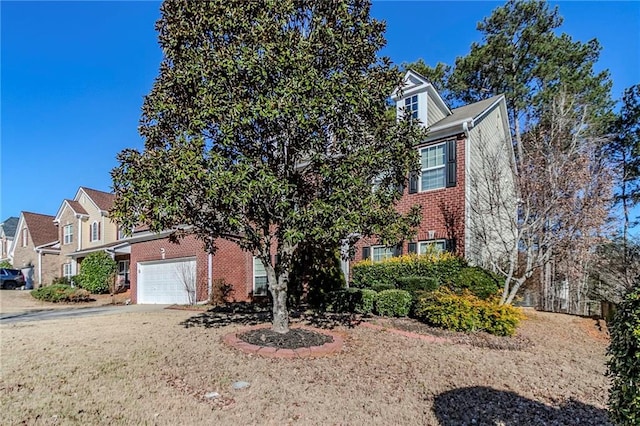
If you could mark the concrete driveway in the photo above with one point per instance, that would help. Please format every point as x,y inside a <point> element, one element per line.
<point>19,306</point>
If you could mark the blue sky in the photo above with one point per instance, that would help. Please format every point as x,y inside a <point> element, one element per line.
<point>73,75</point>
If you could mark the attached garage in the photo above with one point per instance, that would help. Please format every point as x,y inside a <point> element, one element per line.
<point>167,281</point>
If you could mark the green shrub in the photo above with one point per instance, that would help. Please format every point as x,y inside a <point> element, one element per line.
<point>624,362</point>
<point>416,284</point>
<point>316,272</point>
<point>61,293</point>
<point>440,267</point>
<point>478,281</point>
<point>97,272</point>
<point>367,301</point>
<point>352,300</point>
<point>466,312</point>
<point>378,287</point>
<point>6,264</point>
<point>61,280</point>
<point>393,303</point>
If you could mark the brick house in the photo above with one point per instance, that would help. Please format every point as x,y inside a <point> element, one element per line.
<point>452,157</point>
<point>7,232</point>
<point>35,248</point>
<point>167,272</point>
<point>461,144</point>
<point>83,227</point>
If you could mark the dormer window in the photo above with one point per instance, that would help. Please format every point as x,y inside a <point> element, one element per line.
<point>411,105</point>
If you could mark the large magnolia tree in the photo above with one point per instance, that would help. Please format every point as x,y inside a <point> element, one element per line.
<point>266,126</point>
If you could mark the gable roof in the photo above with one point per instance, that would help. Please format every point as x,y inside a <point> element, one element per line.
<point>41,228</point>
<point>75,206</point>
<point>471,112</point>
<point>413,81</point>
<point>102,200</point>
<point>9,226</point>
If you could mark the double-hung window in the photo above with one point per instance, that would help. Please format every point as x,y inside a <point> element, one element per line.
<point>411,105</point>
<point>67,232</point>
<point>123,272</point>
<point>380,253</point>
<point>432,167</point>
<point>432,246</point>
<point>259,278</point>
<point>67,270</point>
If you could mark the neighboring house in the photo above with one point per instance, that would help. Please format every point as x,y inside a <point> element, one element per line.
<point>7,232</point>
<point>83,227</point>
<point>35,248</point>
<point>463,145</point>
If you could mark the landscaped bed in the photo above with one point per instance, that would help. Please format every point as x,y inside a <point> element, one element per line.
<point>149,368</point>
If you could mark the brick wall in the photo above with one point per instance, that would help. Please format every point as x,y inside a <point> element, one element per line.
<point>230,263</point>
<point>442,210</point>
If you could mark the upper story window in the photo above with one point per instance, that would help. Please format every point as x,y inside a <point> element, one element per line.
<point>94,234</point>
<point>25,237</point>
<point>259,278</point>
<point>67,234</point>
<point>411,105</point>
<point>432,167</point>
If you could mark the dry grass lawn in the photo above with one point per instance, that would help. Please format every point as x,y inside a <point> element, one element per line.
<point>147,368</point>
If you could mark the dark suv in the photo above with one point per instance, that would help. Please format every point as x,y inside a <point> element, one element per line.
<point>10,279</point>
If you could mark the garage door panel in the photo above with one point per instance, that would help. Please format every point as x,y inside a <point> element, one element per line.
<point>162,283</point>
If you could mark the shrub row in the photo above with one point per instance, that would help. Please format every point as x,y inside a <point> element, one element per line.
<point>61,293</point>
<point>466,312</point>
<point>415,273</point>
<point>366,301</point>
<point>624,361</point>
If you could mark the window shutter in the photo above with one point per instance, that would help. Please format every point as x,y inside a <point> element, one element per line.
<point>98,230</point>
<point>398,250</point>
<point>413,248</point>
<point>366,253</point>
<point>413,182</point>
<point>450,245</point>
<point>451,165</point>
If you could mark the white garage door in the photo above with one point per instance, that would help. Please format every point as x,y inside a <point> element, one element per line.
<point>167,281</point>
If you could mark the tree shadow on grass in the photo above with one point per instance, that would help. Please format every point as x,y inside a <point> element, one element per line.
<point>230,314</point>
<point>248,314</point>
<point>481,405</point>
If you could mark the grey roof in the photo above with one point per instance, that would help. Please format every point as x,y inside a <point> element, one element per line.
<point>9,226</point>
<point>466,112</point>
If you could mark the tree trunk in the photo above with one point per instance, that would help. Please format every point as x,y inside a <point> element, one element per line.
<point>278,288</point>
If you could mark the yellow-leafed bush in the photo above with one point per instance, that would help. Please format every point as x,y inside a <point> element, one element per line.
<point>466,312</point>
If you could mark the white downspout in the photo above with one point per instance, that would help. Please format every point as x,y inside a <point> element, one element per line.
<point>39,268</point>
<point>79,233</point>
<point>467,187</point>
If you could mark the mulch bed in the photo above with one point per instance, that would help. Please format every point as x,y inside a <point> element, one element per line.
<point>295,338</point>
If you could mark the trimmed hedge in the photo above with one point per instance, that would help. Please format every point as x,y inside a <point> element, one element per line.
<point>466,312</point>
<point>61,293</point>
<point>354,300</point>
<point>442,267</point>
<point>416,284</point>
<point>393,303</point>
<point>624,362</point>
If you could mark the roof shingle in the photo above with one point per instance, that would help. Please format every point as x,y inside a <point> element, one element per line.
<point>41,228</point>
<point>104,200</point>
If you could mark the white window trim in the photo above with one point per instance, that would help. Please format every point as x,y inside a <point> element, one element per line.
<point>428,242</point>
<point>25,238</point>
<point>92,227</point>
<point>392,248</point>
<point>127,271</point>
<point>408,106</point>
<point>67,270</point>
<point>67,237</point>
<point>254,279</point>
<point>443,167</point>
